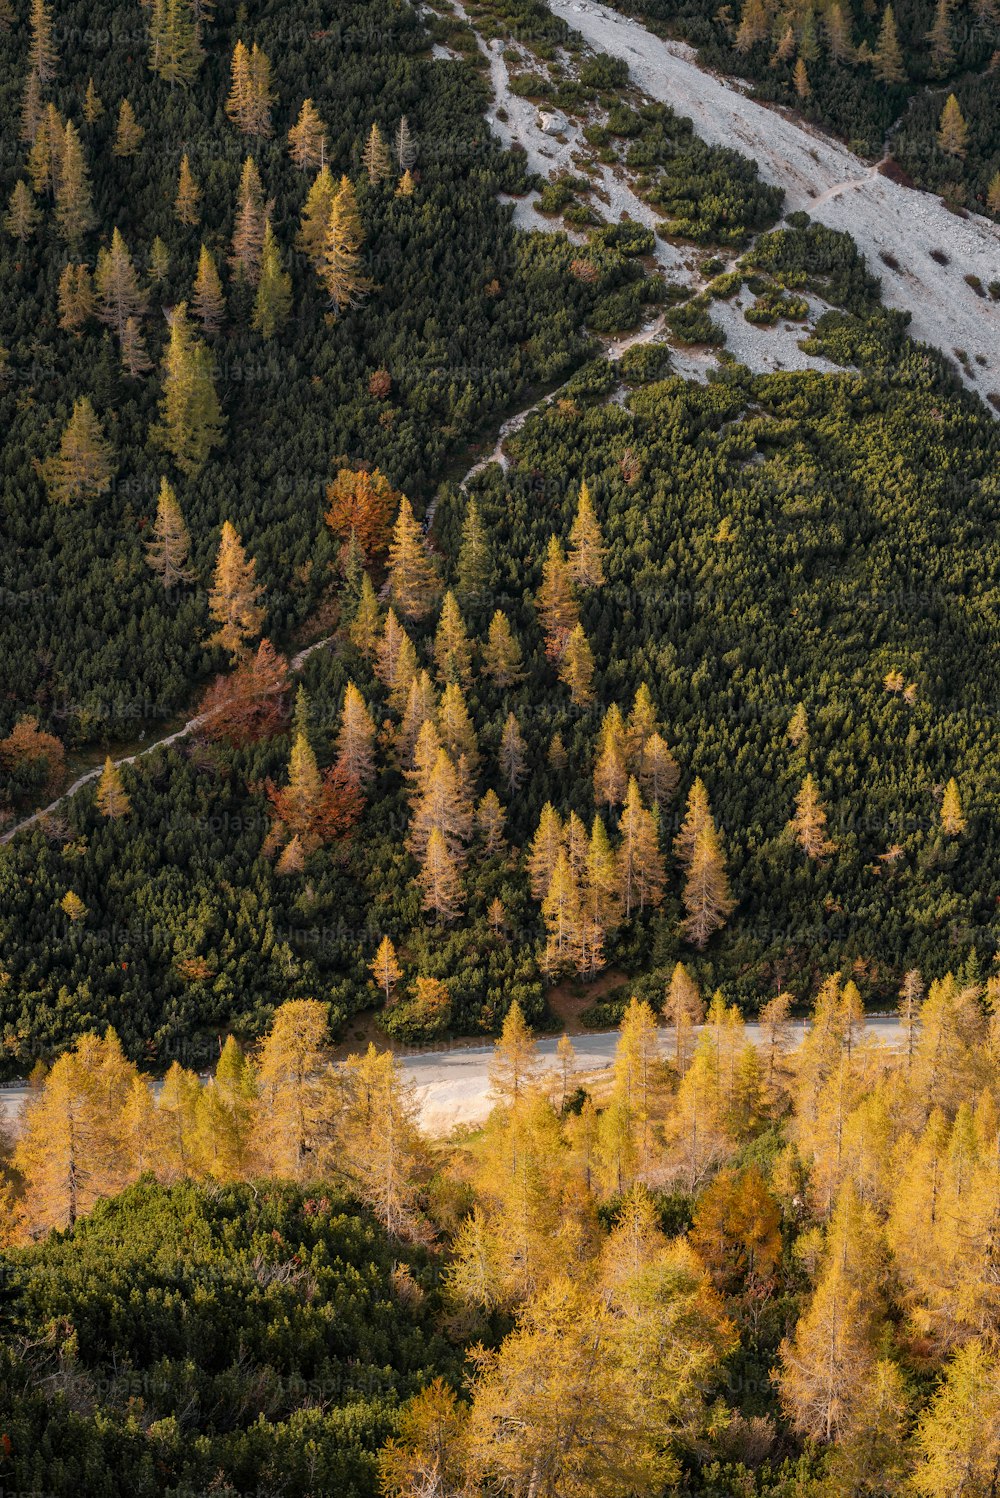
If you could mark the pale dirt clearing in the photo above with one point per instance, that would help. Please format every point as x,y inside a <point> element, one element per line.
<point>836,187</point>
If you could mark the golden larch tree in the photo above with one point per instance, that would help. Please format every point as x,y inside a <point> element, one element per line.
<point>112,799</point>
<point>586,544</point>
<point>169,547</point>
<point>84,465</point>
<point>128,132</point>
<point>307,138</point>
<point>234,598</point>
<point>188,194</point>
<point>191,417</point>
<point>413,575</point>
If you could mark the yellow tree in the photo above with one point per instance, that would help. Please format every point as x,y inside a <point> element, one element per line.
<point>513,751</point>
<point>586,544</point>
<point>953,132</point>
<point>247,247</point>
<point>177,1137</point>
<point>440,878</point>
<point>375,156</point>
<point>426,1457</point>
<point>684,1008</point>
<point>452,647</point>
<point>356,738</point>
<point>307,138</point>
<point>385,968</point>
<point>380,1142</point>
<point>188,194</point>
<point>233,599</point>
<point>225,1117</point>
<point>502,658</point>
<point>514,1066</point>
<point>706,896</point>
<point>556,601</point>
<point>612,759</point>
<point>544,851</point>
<point>43,59</point>
<point>562,916</point>
<point>958,1440</point>
<point>808,826</point>
<point>295,1097</point>
<point>112,799</point>
<point>413,578</point>
<point>190,414</point>
<point>274,289</point>
<point>952,820</point>
<point>576,668</point>
<point>74,213</point>
<point>83,466</point>
<point>169,547</point>
<point>311,238</point>
<point>117,284</point>
<point>340,264</point>
<point>641,874</point>
<point>208,302</point>
<point>128,132</point>
<point>23,214</point>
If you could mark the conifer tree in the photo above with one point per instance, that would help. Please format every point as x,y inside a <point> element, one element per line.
<point>188,195</point>
<point>513,751</point>
<point>472,570</point>
<point>753,27</point>
<point>641,874</point>
<point>454,725</point>
<point>953,132</point>
<point>77,303</point>
<point>250,97</point>
<point>939,37</point>
<point>362,506</point>
<point>556,601</point>
<point>406,146</point>
<point>247,249</point>
<point>112,800</point>
<point>23,214</point>
<point>838,32</point>
<point>208,302</point>
<point>274,289</point>
<point>490,822</point>
<point>658,770</point>
<point>340,265</point>
<point>43,58</point>
<point>174,49</point>
<point>586,544</point>
<point>73,905</point>
<point>192,422</point>
<point>118,286</point>
<point>31,109</point>
<point>45,157</point>
<point>544,851</point>
<point>293,1102</point>
<point>311,238</point>
<point>389,652</point>
<point>307,138</point>
<point>798,728</point>
<point>452,647</point>
<point>375,157</point>
<point>356,738</point>
<point>888,56</point>
<point>381,1141</point>
<point>128,132</point>
<point>159,261</point>
<point>576,668</point>
<point>168,550</point>
<point>74,213</point>
<point>93,104</point>
<point>502,659</point>
<point>696,815</point>
<point>135,358</point>
<point>911,997</point>
<point>406,186</point>
<point>234,598</point>
<point>800,79</point>
<point>562,916</point>
<point>413,580</point>
<point>441,803</point>
<point>809,822</point>
<point>706,896</point>
<point>385,969</point>
<point>952,820</point>
<point>83,466</point>
<point>514,1065</point>
<point>958,1439</point>
<point>440,879</point>
<point>612,759</point>
<point>684,1008</point>
<point>364,626</point>
<point>993,195</point>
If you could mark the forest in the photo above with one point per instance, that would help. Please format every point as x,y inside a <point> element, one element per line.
<point>734,1269</point>
<point>915,79</point>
